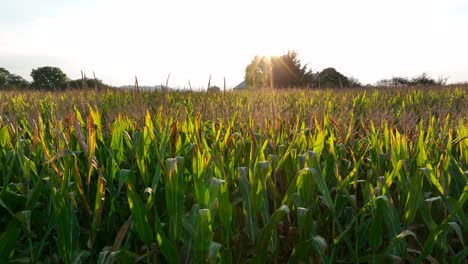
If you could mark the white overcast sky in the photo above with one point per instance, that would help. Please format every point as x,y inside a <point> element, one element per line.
<point>367,39</point>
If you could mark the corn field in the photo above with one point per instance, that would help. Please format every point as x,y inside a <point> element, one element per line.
<point>296,176</point>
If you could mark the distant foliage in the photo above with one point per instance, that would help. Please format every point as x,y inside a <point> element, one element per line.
<point>331,78</point>
<point>421,80</point>
<point>11,81</point>
<point>289,72</point>
<point>257,73</point>
<point>354,82</point>
<point>49,78</point>
<point>87,83</point>
<point>279,72</point>
<point>3,76</point>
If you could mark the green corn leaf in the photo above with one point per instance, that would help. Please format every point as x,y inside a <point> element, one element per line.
<point>303,250</point>
<point>376,231</point>
<point>351,177</point>
<point>8,239</point>
<point>421,158</point>
<point>400,237</point>
<point>415,196</point>
<point>461,256</point>
<point>80,256</point>
<point>425,211</point>
<point>266,234</point>
<point>248,208</point>
<point>214,252</point>
<point>391,177</point>
<point>123,174</point>
<point>98,207</point>
<point>168,248</point>
<point>389,214</point>
<point>297,182</point>
<point>458,231</point>
<point>303,223</point>
<point>430,174</point>
<point>175,195</point>
<point>435,235</point>
<point>66,226</point>
<point>203,236</point>
<point>214,187</point>
<point>320,181</point>
<point>5,140</point>
<point>139,214</point>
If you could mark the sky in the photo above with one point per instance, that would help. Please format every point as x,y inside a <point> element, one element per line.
<point>191,40</point>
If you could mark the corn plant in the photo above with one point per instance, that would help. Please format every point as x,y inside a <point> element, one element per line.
<point>299,176</point>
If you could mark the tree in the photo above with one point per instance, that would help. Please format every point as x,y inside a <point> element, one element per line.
<point>49,78</point>
<point>279,72</point>
<point>383,83</point>
<point>17,81</point>
<point>3,76</point>
<point>80,84</point>
<point>400,81</point>
<point>258,72</point>
<point>9,80</point>
<point>331,78</point>
<point>288,71</point>
<point>354,82</point>
<point>394,82</point>
<point>423,79</point>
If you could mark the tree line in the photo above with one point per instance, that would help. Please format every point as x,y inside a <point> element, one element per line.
<point>422,79</point>
<point>287,71</point>
<point>47,78</point>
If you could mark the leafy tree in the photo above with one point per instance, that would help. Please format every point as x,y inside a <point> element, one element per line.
<point>258,72</point>
<point>423,79</point>
<point>288,72</point>
<point>383,83</point>
<point>400,81</point>
<point>331,78</point>
<point>394,82</point>
<point>279,72</point>
<point>49,78</point>
<point>90,83</point>
<point>9,80</point>
<point>3,76</point>
<point>354,82</point>
<point>17,81</point>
